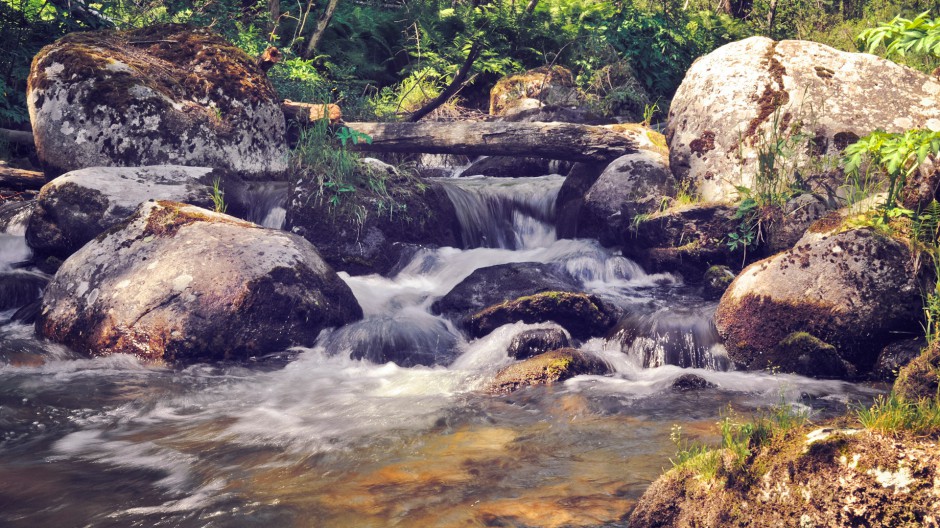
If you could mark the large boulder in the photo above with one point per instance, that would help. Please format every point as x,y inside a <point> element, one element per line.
<point>180,284</point>
<point>161,95</point>
<point>80,205</point>
<point>504,282</point>
<point>365,225</point>
<point>853,290</point>
<point>742,94</point>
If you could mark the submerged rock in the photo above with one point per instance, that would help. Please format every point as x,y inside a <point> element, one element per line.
<point>496,284</point>
<point>851,290</point>
<point>735,100</point>
<point>76,207</point>
<point>182,284</point>
<point>584,316</point>
<point>716,281</point>
<point>164,94</point>
<point>405,341</point>
<point>537,341</point>
<point>366,228</point>
<point>20,287</point>
<point>691,382</point>
<point>546,369</point>
<point>828,477</point>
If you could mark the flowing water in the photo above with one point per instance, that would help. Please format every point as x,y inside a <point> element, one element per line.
<point>335,435</point>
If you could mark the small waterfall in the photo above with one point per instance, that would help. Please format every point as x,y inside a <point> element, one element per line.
<point>267,204</point>
<point>507,213</point>
<point>686,338</point>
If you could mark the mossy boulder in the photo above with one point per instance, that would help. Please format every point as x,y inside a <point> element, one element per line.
<point>546,369</point>
<point>853,290</point>
<point>493,285</point>
<point>716,281</point>
<point>548,85</point>
<point>803,353</point>
<point>176,283</point>
<point>685,239</point>
<point>582,315</point>
<point>161,95</point>
<point>823,477</point>
<point>367,228</point>
<point>537,341</point>
<point>80,205</point>
<point>920,379</point>
<point>742,95</point>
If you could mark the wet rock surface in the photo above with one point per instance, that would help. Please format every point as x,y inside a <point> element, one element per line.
<point>582,315</point>
<point>691,382</point>
<point>405,341</point>
<point>181,284</point>
<point>538,341</point>
<point>732,98</point>
<point>165,94</point>
<point>366,230</point>
<point>851,290</point>
<point>504,282</point>
<point>548,368</point>
<point>78,206</point>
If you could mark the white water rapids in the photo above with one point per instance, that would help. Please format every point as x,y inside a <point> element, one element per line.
<point>313,437</point>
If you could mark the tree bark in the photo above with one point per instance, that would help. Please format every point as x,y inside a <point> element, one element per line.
<point>309,113</point>
<point>454,86</point>
<point>21,180</point>
<point>318,32</point>
<point>562,141</point>
<point>269,58</point>
<point>17,137</point>
<point>84,13</point>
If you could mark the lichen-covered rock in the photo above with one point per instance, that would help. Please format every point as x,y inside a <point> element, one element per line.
<point>366,228</point>
<point>504,282</point>
<point>177,283</point>
<point>731,98</point>
<point>920,379</point>
<point>686,239</point>
<point>582,315</point>
<point>851,290</point>
<point>824,477</point>
<point>537,341</point>
<point>548,85</point>
<point>80,205</point>
<point>545,369</point>
<point>161,95</point>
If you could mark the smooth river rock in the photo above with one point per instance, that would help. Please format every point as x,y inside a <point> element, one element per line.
<point>181,284</point>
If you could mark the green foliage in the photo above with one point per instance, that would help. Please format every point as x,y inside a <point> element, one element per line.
<point>218,196</point>
<point>895,416</point>
<point>895,157</point>
<point>739,440</point>
<point>902,36</point>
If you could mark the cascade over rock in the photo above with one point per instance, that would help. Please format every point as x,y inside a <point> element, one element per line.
<point>851,290</point>
<point>182,284</point>
<point>733,99</point>
<point>165,94</point>
<point>78,206</point>
<point>367,230</point>
<point>546,369</point>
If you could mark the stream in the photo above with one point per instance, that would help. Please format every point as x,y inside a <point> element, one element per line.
<point>334,435</point>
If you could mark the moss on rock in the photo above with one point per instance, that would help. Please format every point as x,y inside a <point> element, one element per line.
<point>582,315</point>
<point>545,369</point>
<point>921,377</point>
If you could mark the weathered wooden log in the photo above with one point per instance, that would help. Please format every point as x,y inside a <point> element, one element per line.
<point>17,137</point>
<point>309,113</point>
<point>21,180</point>
<point>561,141</point>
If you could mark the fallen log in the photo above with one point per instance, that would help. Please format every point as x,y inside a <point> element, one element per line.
<point>17,137</point>
<point>561,141</point>
<point>21,180</point>
<point>309,113</point>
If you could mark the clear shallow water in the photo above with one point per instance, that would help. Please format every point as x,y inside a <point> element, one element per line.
<point>312,437</point>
